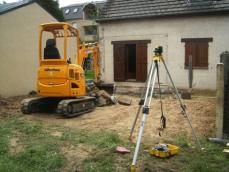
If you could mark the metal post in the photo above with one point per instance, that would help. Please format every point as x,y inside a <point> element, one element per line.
<point>220,100</point>
<point>190,72</point>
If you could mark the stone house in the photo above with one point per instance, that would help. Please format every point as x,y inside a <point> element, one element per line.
<point>131,30</point>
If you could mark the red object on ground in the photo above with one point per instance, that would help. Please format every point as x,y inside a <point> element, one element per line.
<point>122,150</point>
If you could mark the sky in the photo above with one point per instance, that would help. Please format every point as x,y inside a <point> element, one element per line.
<point>62,2</point>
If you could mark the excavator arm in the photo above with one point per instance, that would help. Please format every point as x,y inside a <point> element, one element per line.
<point>89,56</point>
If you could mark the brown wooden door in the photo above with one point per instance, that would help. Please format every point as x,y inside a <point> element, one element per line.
<point>141,62</point>
<point>119,62</point>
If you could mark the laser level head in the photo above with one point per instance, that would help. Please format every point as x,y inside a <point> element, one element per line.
<point>158,51</point>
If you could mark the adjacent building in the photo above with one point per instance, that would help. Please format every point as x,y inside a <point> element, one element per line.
<point>131,30</point>
<point>82,16</point>
<point>19,29</point>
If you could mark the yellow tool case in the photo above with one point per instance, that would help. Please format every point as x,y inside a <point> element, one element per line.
<point>164,150</point>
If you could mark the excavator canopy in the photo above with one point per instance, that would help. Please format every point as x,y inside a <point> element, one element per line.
<point>58,31</point>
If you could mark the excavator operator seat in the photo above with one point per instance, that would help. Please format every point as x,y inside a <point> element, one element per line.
<point>50,51</point>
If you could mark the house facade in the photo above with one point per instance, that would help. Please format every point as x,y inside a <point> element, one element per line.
<point>82,16</point>
<point>19,32</point>
<point>130,31</point>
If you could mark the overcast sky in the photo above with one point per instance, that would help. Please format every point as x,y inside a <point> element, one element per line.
<point>62,2</point>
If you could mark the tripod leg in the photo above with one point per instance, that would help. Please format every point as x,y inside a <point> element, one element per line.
<point>135,121</point>
<point>183,107</point>
<point>140,106</point>
<point>145,110</point>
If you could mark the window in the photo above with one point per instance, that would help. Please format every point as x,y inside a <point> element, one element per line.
<point>197,48</point>
<point>67,11</point>
<point>75,10</point>
<point>90,30</point>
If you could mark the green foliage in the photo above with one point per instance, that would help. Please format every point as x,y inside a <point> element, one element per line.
<point>13,124</point>
<point>212,159</point>
<point>3,145</point>
<point>105,139</point>
<point>40,154</point>
<point>37,158</point>
<point>74,136</point>
<point>41,151</point>
<point>101,139</point>
<point>52,7</point>
<point>91,11</point>
<point>100,162</point>
<point>183,141</point>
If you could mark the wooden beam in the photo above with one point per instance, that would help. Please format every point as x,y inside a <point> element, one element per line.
<point>197,40</point>
<point>131,42</point>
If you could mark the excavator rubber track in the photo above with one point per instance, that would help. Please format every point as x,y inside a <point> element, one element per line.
<point>64,106</point>
<point>38,104</point>
<point>75,107</point>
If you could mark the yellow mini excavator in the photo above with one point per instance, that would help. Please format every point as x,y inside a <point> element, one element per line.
<point>61,85</point>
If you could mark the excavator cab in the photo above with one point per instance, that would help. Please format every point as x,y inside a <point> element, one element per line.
<point>57,77</point>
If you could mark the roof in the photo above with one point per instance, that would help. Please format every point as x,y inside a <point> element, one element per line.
<point>14,5</point>
<point>130,9</point>
<point>5,8</point>
<point>70,15</point>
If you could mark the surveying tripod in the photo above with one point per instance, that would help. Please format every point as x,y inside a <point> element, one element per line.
<point>145,102</point>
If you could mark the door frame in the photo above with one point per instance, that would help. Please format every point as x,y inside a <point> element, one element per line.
<point>123,44</point>
<point>130,75</point>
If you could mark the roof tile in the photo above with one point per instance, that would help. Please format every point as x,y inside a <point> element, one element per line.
<point>119,9</point>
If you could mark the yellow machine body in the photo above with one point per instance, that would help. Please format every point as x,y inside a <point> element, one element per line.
<point>57,77</point>
<point>66,80</point>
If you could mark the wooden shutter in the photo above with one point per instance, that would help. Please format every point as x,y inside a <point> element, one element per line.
<point>190,50</point>
<point>202,54</point>
<point>141,62</point>
<point>198,49</point>
<point>119,62</point>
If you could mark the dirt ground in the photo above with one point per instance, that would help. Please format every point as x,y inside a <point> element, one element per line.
<point>119,118</point>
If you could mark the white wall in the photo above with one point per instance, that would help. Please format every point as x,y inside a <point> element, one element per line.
<point>80,26</point>
<point>168,33</point>
<point>19,30</point>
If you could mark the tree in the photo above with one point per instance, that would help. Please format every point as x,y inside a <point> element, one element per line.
<point>52,7</point>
